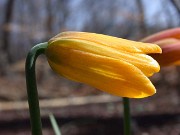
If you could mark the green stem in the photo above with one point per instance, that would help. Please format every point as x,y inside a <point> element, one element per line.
<point>127,117</point>
<point>33,100</point>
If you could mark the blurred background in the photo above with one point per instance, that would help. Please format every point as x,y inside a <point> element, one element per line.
<point>78,108</point>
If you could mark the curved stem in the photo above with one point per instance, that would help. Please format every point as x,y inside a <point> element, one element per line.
<point>33,100</point>
<point>127,117</point>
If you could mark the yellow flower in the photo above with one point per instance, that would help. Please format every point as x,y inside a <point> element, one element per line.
<point>169,41</point>
<point>114,65</point>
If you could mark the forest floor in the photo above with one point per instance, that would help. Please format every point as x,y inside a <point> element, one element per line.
<point>83,110</point>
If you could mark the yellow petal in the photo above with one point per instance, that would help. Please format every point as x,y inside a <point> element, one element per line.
<point>108,74</point>
<point>144,62</point>
<point>114,42</point>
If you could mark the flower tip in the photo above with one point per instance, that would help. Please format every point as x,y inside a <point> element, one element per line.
<point>159,50</point>
<point>152,91</point>
<point>154,48</point>
<point>149,93</point>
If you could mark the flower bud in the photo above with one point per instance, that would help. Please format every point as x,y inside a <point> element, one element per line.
<point>118,66</point>
<point>169,41</point>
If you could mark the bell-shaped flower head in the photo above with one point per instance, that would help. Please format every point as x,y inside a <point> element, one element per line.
<point>118,66</point>
<point>169,41</point>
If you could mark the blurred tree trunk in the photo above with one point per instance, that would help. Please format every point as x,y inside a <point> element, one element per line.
<point>49,18</point>
<point>6,31</point>
<point>142,25</point>
<point>176,4</point>
<point>6,59</point>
